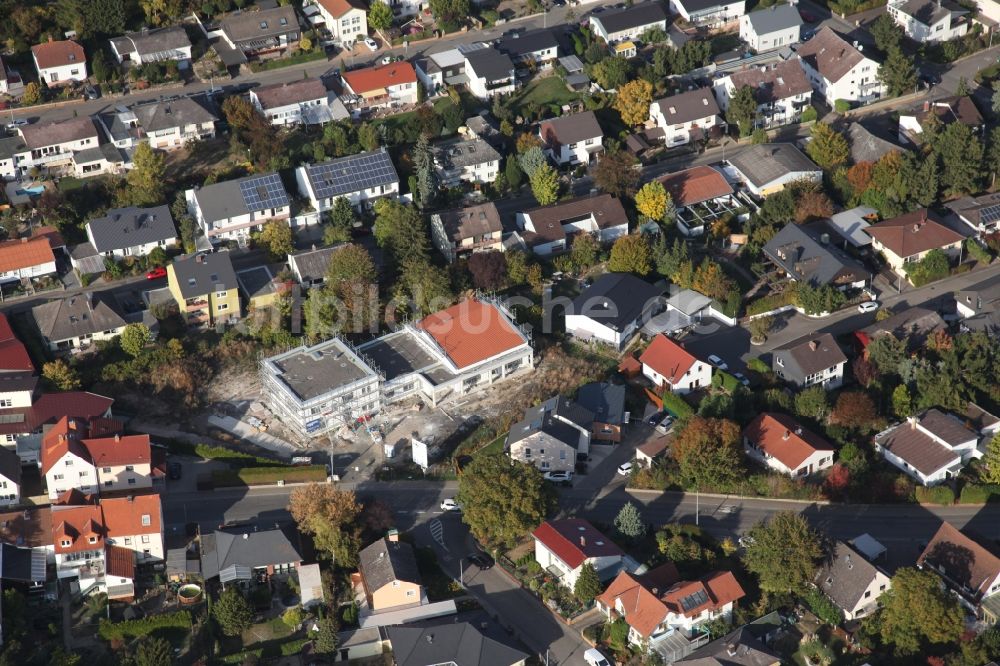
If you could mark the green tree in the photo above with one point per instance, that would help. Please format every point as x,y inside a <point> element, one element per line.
<point>325,639</point>
<point>902,402</point>
<point>401,230</point>
<point>828,147</point>
<point>427,287</point>
<point>276,238</point>
<point>886,352</point>
<point>32,94</point>
<point>545,185</point>
<point>423,161</point>
<point>584,251</point>
<point>811,403</point>
<point>897,73</point>
<point>670,259</point>
<point>989,468</point>
<point>759,136</point>
<point>531,160</point>
<point>134,339</point>
<point>631,254</point>
<point>783,552</point>
<point>918,610</point>
<point>961,155</point>
<point>588,584</point>
<point>818,299</point>
<point>450,13</point>
<point>154,651</point>
<point>888,35</point>
<point>629,523</point>
<point>368,133</point>
<point>513,173</point>
<point>145,182</point>
<point>707,451</point>
<point>379,17</point>
<point>502,499</point>
<point>331,517</point>
<point>651,200</point>
<point>61,376</point>
<point>293,617</point>
<point>742,110</point>
<point>612,73</point>
<point>342,220</point>
<point>233,612</point>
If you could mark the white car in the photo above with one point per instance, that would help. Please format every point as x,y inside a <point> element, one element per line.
<point>718,362</point>
<point>593,657</point>
<point>868,306</point>
<point>625,469</point>
<point>558,477</point>
<point>450,505</point>
<point>665,425</point>
<point>371,44</point>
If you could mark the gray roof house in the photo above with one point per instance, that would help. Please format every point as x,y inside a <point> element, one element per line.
<point>806,258</point>
<point>361,179</point>
<point>767,167</point>
<point>538,46</point>
<point>613,308</point>
<point>389,575</point>
<point>811,361</point>
<point>851,582</point>
<point>628,22</point>
<point>916,324</point>
<point>74,321</point>
<point>867,147</point>
<point>606,402</point>
<point>469,160</point>
<point>170,43</point>
<point>774,19</point>
<point>196,113</point>
<point>132,231</point>
<point>979,306</point>
<point>233,208</point>
<point>235,554</point>
<point>309,266</point>
<point>200,274</point>
<point>260,31</point>
<point>737,648</point>
<point>456,643</point>
<point>551,435</point>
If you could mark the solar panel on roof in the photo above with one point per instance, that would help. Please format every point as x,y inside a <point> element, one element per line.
<point>352,174</point>
<point>264,192</point>
<point>990,213</point>
<point>11,418</point>
<point>694,600</point>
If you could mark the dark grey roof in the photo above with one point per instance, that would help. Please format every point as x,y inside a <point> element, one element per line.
<point>737,648</point>
<point>253,25</point>
<point>807,259</point>
<point>354,173</point>
<point>547,423</point>
<point>460,152</point>
<point>915,323</point>
<point>809,355</point>
<point>865,146</point>
<point>845,576</point>
<point>200,274</point>
<point>625,18</point>
<point>570,129</point>
<point>616,300</point>
<point>10,462</point>
<point>767,162</point>
<point>312,264</point>
<point>772,19</point>
<point>75,316</point>
<point>386,561</point>
<point>688,106</point>
<point>457,643</point>
<point>155,116</point>
<point>927,12</point>
<point>606,401</point>
<point>490,64</point>
<point>522,44</point>
<point>232,198</point>
<point>223,549</point>
<point>10,145</point>
<point>564,408</point>
<point>105,151</point>
<point>128,227</point>
<point>22,564</point>
<point>153,41</point>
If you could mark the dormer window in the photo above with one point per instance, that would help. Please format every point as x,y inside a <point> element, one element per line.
<point>145,520</point>
<point>65,543</point>
<point>92,539</point>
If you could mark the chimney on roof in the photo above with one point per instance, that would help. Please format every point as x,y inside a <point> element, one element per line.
<point>24,240</point>
<point>583,541</point>
<point>131,498</point>
<point>200,258</point>
<point>656,591</point>
<point>430,638</point>
<point>787,434</point>
<point>927,106</point>
<point>50,39</point>
<point>813,345</point>
<point>246,536</point>
<point>913,422</point>
<point>118,437</point>
<point>392,535</point>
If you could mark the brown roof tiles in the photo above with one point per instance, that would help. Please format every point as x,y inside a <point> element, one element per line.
<point>913,233</point>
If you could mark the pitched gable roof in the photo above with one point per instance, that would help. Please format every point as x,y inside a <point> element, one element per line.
<point>784,438</point>
<point>457,643</point>
<point>22,253</point>
<point>616,300</point>
<point>688,106</point>
<point>122,228</point>
<point>773,83</point>
<point>380,76</point>
<point>58,53</point>
<point>223,549</point>
<point>845,576</point>
<point>13,354</point>
<point>290,92</point>
<point>808,259</point>
<point>808,356</point>
<point>338,8</point>
<point>961,559</point>
<point>386,561</point>
<point>695,185</point>
<point>623,18</point>
<point>830,54</point>
<point>668,358</point>
<point>913,233</point>
<point>566,130</point>
<point>574,541</point>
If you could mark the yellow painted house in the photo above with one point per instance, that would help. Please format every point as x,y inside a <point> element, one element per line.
<point>205,288</point>
<point>389,575</point>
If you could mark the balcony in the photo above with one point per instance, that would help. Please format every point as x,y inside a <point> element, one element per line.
<point>195,305</point>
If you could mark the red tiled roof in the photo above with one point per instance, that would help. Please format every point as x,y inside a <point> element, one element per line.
<point>574,541</point>
<point>784,438</point>
<point>25,253</point>
<point>338,8</point>
<point>58,53</point>
<point>51,407</point>
<point>962,558</point>
<point>77,524</point>
<point>913,233</point>
<point>74,497</point>
<point>668,358</point>
<point>124,515</point>
<point>52,234</point>
<point>120,562</point>
<point>73,435</point>
<point>118,450</point>
<point>471,332</point>
<point>692,186</point>
<point>64,437</point>
<point>13,354</point>
<point>381,76</point>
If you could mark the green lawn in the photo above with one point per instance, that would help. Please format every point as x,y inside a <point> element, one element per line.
<point>493,448</point>
<point>543,92</point>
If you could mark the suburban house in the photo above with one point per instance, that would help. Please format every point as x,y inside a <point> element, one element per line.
<point>260,288</point>
<point>132,231</point>
<point>784,445</point>
<point>817,360</point>
<point>979,306</point>
<point>309,266</point>
<point>866,146</point>
<point>551,436</point>
<point>260,33</point>
<point>380,86</point>
<point>489,73</point>
<point>245,555</point>
<point>981,213</point>
<point>607,403</point>
<point>708,13</point>
<point>10,477</point>
<point>233,209</point>
<point>914,324</point>
<point>304,101</point>
<point>573,139</point>
<point>157,45</point>
<point>436,70</point>
<point>205,288</point>
<point>388,575</point>
<point>469,160</point>
<point>622,24</point>
<point>804,257</point>
<point>668,365</point>
<point>851,582</point>
<point>10,81</point>
<point>929,20</point>
<point>26,258</point>
<point>64,146</point>
<point>955,109</point>
<point>767,168</point>
<point>742,647</point>
<point>60,62</point>
<point>460,233</point>
<point>170,124</point>
<point>76,321</point>
<point>549,230</point>
<point>968,569</point>
<point>850,226</point>
<point>564,546</point>
<point>781,89</point>
<point>361,179</point>
<point>535,48</point>
<point>74,457</point>
<point>771,28</point>
<point>454,643</point>
<point>908,238</point>
<point>930,447</point>
<point>345,20</point>
<point>701,195</point>
<point>685,117</point>
<point>665,613</point>
<point>613,309</point>
<point>839,70</point>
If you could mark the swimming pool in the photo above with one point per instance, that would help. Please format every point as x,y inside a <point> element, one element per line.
<point>31,190</point>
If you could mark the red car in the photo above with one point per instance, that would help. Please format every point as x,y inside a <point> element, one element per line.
<point>156,273</point>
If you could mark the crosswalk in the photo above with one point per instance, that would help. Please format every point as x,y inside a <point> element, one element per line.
<point>437,532</point>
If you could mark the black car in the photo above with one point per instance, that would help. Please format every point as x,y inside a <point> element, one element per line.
<point>175,470</point>
<point>481,560</point>
<point>656,418</point>
<point>90,92</point>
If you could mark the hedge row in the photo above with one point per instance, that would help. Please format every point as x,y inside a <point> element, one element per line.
<point>268,650</point>
<point>771,302</point>
<point>675,405</point>
<point>111,631</point>
<point>935,495</point>
<point>212,452</point>
<point>258,476</point>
